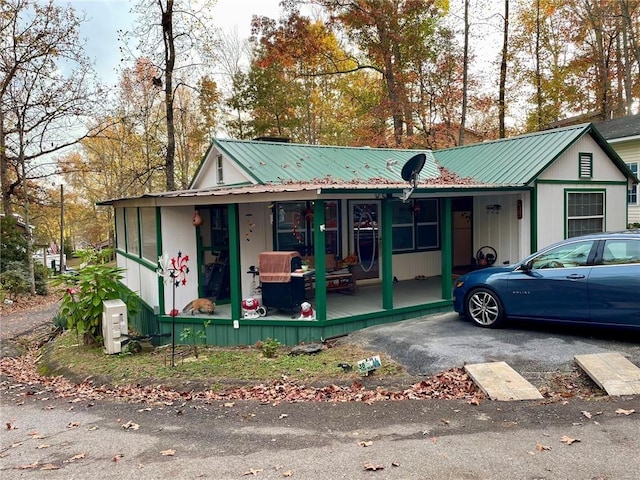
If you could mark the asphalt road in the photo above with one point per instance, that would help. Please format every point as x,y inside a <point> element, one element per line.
<point>598,438</point>
<point>435,343</point>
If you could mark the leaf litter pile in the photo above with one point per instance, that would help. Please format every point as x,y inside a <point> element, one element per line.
<point>451,384</point>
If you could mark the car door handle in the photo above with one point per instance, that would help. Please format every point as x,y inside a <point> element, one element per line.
<point>575,276</point>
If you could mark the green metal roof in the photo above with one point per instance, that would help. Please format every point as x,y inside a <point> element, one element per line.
<point>278,162</point>
<point>518,160</point>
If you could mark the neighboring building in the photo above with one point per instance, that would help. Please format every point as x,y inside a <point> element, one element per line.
<point>624,136</point>
<point>506,198</point>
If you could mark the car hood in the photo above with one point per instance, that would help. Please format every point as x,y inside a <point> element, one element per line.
<point>480,275</point>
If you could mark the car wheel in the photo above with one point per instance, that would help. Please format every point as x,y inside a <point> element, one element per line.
<point>485,308</point>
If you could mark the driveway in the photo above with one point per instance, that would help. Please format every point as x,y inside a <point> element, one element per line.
<point>431,344</point>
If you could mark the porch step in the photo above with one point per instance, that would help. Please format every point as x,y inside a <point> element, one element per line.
<point>611,372</point>
<point>501,382</point>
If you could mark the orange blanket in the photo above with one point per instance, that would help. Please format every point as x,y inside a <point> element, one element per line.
<point>275,267</point>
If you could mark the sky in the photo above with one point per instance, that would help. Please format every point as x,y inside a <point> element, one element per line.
<point>106,17</point>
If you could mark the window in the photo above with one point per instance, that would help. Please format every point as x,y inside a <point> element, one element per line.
<point>219,169</point>
<point>132,232</point>
<point>294,227</point>
<point>120,229</point>
<point>585,167</point>
<point>415,225</point>
<point>621,252</point>
<point>148,233</point>
<point>585,213</point>
<point>633,189</point>
<point>565,256</point>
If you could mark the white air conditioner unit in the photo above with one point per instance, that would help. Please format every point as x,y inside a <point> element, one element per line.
<point>114,325</point>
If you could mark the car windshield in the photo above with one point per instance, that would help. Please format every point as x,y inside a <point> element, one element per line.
<point>569,255</point>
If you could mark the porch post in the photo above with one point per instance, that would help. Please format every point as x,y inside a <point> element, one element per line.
<point>159,250</point>
<point>387,254</point>
<point>319,249</point>
<point>234,261</point>
<point>446,233</point>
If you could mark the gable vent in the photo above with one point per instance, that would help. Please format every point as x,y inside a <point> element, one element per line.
<point>585,167</point>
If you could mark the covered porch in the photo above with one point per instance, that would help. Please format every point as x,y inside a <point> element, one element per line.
<point>345,313</point>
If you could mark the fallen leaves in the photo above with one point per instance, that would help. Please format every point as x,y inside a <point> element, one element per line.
<point>168,453</point>
<point>365,443</point>
<point>622,411</point>
<point>253,471</point>
<point>130,426</point>
<point>373,467</point>
<point>451,384</point>
<point>569,440</point>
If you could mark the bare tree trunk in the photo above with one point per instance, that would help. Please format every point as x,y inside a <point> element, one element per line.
<point>502,107</point>
<point>538,73</point>
<point>27,217</point>
<point>170,60</point>
<point>4,177</point>
<point>631,50</point>
<point>465,72</point>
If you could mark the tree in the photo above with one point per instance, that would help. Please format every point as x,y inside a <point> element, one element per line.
<point>46,86</point>
<point>175,38</point>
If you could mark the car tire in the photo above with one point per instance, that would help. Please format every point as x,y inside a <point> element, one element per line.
<point>484,308</point>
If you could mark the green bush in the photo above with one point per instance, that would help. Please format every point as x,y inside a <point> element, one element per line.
<point>13,244</point>
<point>270,347</point>
<point>41,276</point>
<point>15,279</point>
<point>82,303</point>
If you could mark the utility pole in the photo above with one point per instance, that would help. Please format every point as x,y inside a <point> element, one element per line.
<point>61,226</point>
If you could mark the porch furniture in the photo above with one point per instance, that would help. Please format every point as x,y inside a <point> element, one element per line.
<point>337,280</point>
<point>280,287</point>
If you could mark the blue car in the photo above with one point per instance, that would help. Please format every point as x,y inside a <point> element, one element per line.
<point>588,280</point>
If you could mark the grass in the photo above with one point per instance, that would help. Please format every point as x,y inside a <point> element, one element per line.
<point>214,365</point>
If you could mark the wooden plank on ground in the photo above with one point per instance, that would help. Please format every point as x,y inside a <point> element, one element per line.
<point>612,372</point>
<point>501,382</point>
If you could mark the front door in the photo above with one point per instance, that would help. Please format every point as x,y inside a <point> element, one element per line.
<point>363,225</point>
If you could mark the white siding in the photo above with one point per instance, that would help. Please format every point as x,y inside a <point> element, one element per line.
<point>179,235</point>
<point>208,174</point>
<point>629,151</point>
<point>409,265</point>
<point>551,196</point>
<point>501,229</point>
<point>255,236</point>
<point>551,209</point>
<point>140,279</point>
<point>566,167</point>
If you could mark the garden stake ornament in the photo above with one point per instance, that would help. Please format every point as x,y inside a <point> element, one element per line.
<point>173,269</point>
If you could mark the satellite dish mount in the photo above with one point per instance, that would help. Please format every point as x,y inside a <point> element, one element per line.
<point>411,173</point>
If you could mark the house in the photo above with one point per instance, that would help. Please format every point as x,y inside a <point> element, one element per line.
<point>623,134</point>
<point>407,221</point>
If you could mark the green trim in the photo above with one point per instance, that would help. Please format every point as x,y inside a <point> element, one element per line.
<point>234,261</point>
<point>446,229</point>
<point>139,260</point>
<point>293,332</point>
<point>200,256</point>
<point>387,253</point>
<point>159,246</point>
<point>584,190</point>
<point>534,219</point>
<point>319,249</point>
<point>581,182</point>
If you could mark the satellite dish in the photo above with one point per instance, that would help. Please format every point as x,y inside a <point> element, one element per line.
<point>411,169</point>
<point>411,173</point>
